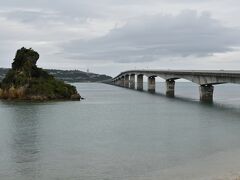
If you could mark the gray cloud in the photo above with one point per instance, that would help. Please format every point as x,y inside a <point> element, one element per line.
<point>152,37</point>
<point>29,15</point>
<point>96,8</point>
<point>102,33</point>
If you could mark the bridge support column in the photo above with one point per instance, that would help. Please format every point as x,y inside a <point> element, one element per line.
<point>170,86</point>
<point>132,81</point>
<point>118,82</point>
<point>122,82</point>
<point>206,93</point>
<point>151,84</point>
<point>126,81</point>
<point>140,82</point>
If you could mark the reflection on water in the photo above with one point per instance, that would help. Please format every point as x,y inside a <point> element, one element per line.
<point>118,133</point>
<point>25,140</point>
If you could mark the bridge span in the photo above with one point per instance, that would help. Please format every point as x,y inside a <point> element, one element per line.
<point>206,79</point>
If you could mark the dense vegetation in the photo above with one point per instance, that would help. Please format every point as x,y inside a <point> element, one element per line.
<point>26,81</point>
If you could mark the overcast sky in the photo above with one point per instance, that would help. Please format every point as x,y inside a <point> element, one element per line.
<point>109,36</point>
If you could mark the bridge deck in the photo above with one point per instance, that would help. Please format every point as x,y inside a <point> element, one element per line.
<point>222,73</point>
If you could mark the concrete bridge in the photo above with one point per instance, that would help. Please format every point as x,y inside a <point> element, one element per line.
<point>205,79</point>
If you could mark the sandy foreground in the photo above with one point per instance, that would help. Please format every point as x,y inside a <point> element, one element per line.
<point>220,166</point>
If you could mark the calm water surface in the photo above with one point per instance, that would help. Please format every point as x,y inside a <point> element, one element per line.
<point>120,134</point>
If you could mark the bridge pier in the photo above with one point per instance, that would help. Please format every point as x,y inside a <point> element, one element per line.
<point>119,82</point>
<point>151,84</point>
<point>126,81</point>
<point>122,82</point>
<point>206,93</point>
<point>132,81</point>
<point>140,82</point>
<point>170,86</point>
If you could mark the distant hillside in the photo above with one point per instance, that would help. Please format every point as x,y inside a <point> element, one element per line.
<point>69,75</point>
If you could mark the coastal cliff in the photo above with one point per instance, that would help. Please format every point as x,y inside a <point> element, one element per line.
<point>25,81</point>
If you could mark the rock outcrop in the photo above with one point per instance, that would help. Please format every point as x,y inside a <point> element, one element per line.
<point>25,81</point>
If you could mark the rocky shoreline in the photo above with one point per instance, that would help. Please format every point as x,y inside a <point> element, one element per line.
<point>19,94</point>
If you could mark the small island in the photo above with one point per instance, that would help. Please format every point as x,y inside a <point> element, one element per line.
<point>25,81</point>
